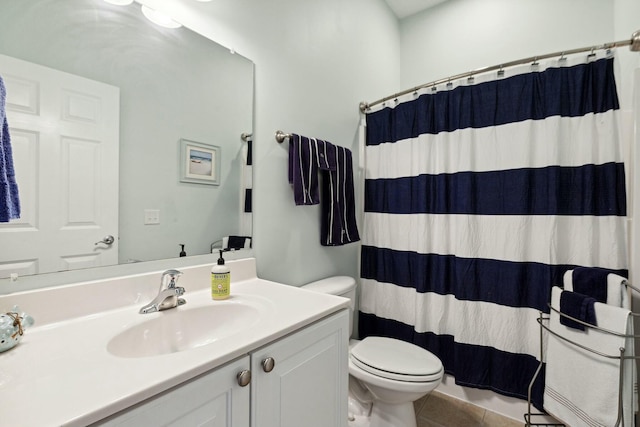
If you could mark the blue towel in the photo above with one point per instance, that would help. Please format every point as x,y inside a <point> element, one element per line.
<point>578,306</point>
<point>591,281</point>
<point>9,200</point>
<point>307,158</point>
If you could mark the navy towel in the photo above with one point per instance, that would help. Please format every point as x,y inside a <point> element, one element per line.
<point>578,306</point>
<point>9,201</point>
<point>591,281</point>
<point>238,242</point>
<point>308,157</point>
<point>338,225</point>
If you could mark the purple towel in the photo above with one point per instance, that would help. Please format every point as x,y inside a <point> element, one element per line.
<point>308,157</point>
<point>579,307</point>
<point>9,201</point>
<point>591,281</point>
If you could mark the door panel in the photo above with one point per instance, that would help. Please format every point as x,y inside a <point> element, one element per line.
<point>308,383</point>
<point>65,135</point>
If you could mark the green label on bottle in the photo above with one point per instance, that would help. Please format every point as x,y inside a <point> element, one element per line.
<point>220,285</point>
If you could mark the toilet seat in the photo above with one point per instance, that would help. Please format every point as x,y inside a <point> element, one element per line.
<point>396,360</point>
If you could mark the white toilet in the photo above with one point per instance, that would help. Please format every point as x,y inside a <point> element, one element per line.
<point>386,375</point>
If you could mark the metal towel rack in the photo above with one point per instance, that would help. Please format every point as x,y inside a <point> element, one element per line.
<point>542,319</point>
<point>281,136</point>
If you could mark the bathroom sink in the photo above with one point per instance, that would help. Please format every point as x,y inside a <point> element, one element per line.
<point>184,328</point>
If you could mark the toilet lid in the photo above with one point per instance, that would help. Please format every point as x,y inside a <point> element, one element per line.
<point>396,359</point>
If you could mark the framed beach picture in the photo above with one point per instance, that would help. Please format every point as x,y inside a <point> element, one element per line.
<point>199,163</point>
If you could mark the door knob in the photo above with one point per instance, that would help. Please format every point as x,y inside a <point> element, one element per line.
<point>268,364</point>
<point>107,240</point>
<point>244,378</point>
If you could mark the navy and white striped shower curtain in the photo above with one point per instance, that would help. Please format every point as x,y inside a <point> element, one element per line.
<point>478,197</point>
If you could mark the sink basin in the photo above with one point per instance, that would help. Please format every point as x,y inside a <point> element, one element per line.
<point>183,328</point>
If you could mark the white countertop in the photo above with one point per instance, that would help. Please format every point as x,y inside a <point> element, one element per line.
<point>61,373</point>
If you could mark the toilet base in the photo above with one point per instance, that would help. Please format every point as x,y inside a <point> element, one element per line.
<point>396,415</point>
<point>384,415</point>
<point>359,421</point>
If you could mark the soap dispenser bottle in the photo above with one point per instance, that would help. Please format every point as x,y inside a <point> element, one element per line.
<point>220,280</point>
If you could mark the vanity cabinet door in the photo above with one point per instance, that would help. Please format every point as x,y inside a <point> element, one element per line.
<point>307,379</point>
<point>214,399</point>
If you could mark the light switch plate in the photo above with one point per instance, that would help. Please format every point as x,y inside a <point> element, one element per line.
<point>151,216</point>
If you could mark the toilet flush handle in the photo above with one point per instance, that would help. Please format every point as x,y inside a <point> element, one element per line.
<point>268,364</point>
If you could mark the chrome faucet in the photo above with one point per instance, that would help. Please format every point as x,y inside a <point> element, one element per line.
<point>168,295</point>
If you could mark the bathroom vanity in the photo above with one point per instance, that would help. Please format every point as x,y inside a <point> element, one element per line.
<point>271,355</point>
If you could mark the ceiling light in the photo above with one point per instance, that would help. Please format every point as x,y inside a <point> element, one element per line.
<point>159,18</point>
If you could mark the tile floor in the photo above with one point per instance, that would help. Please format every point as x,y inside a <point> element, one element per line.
<point>439,410</point>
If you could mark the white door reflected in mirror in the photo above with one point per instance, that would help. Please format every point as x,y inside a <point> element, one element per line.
<point>67,174</point>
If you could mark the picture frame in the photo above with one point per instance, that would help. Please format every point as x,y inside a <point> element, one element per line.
<point>199,162</point>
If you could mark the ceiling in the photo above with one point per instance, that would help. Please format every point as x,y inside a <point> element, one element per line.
<point>404,8</point>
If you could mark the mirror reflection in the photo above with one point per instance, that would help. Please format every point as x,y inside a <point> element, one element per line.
<point>100,102</point>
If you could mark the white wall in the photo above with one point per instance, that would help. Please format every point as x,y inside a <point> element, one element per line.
<point>463,35</point>
<point>626,16</point>
<point>314,62</point>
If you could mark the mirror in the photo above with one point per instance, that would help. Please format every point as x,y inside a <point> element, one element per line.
<point>174,86</point>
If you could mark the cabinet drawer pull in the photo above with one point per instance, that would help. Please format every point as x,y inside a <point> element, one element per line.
<point>268,364</point>
<point>244,378</point>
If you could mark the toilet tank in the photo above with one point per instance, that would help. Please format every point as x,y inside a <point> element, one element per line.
<point>343,286</point>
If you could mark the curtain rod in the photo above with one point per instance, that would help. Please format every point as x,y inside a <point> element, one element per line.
<point>633,43</point>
